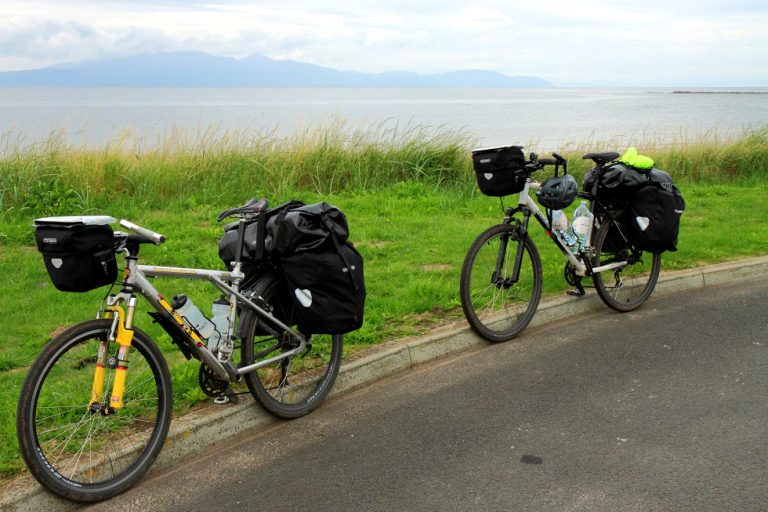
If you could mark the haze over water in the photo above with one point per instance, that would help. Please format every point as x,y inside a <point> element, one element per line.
<point>542,119</point>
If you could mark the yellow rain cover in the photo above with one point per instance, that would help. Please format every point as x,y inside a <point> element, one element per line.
<point>631,158</point>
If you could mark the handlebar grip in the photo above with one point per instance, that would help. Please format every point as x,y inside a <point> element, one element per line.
<point>559,158</point>
<point>156,238</point>
<point>547,161</point>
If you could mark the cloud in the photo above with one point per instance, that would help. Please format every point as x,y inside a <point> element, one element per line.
<point>586,42</point>
<point>48,39</point>
<point>47,42</point>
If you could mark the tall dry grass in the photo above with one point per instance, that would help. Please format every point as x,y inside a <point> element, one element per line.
<point>323,160</point>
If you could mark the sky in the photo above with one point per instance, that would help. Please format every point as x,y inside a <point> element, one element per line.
<point>567,42</point>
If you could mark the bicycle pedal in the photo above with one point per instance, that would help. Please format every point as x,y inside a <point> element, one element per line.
<point>227,397</point>
<point>576,293</point>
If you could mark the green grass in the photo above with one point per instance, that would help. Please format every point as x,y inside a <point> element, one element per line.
<point>410,199</point>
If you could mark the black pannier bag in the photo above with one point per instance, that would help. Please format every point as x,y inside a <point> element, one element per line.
<point>499,171</point>
<point>617,181</point>
<point>253,240</point>
<point>252,247</point>
<point>327,289</point>
<point>653,219</point>
<point>662,180</point>
<point>304,228</point>
<point>323,272</point>
<point>78,257</point>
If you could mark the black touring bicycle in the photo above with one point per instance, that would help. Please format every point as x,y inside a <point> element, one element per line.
<point>633,216</point>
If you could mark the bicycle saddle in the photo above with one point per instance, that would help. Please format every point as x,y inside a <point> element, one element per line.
<point>602,158</point>
<point>252,206</point>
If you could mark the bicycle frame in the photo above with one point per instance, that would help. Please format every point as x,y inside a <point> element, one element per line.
<point>136,280</point>
<point>528,207</point>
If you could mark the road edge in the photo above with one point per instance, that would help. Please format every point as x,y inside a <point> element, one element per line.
<point>204,429</point>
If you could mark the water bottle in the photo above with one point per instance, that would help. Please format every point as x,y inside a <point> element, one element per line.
<point>582,223</point>
<point>560,225</point>
<point>193,316</point>
<point>559,221</point>
<point>220,319</point>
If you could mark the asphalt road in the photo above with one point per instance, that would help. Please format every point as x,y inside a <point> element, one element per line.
<point>665,408</point>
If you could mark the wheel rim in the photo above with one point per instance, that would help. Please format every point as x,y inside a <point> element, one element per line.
<point>627,286</point>
<point>498,305</point>
<point>82,448</point>
<point>296,380</point>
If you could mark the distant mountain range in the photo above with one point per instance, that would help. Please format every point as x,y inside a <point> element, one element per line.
<point>197,69</point>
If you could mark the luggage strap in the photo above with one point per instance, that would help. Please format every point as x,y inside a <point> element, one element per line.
<point>330,226</point>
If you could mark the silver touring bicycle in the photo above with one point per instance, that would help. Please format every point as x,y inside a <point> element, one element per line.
<point>96,405</point>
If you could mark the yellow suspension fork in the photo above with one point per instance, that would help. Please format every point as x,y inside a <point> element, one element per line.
<point>123,335</point>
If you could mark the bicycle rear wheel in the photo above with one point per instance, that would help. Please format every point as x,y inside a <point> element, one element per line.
<point>626,288</point>
<point>496,307</point>
<point>295,385</point>
<point>79,453</point>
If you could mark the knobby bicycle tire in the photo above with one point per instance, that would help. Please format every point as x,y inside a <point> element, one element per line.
<point>84,455</point>
<point>496,308</point>
<point>294,386</point>
<point>627,288</point>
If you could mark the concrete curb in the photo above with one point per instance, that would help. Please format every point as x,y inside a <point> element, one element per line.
<point>204,429</point>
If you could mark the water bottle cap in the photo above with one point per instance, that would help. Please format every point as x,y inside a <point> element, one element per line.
<point>178,301</point>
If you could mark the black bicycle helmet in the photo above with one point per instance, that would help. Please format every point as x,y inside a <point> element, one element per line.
<point>558,192</point>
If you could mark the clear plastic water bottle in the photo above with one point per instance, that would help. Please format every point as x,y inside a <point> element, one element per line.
<point>220,319</point>
<point>560,225</point>
<point>193,316</point>
<point>559,221</point>
<point>582,223</point>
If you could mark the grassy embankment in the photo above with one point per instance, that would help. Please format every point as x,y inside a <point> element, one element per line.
<point>411,200</point>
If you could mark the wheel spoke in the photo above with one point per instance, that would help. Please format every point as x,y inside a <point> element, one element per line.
<point>626,288</point>
<point>499,309</point>
<point>86,452</point>
<point>292,386</point>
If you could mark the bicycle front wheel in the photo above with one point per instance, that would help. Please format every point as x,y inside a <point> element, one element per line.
<point>627,287</point>
<point>79,452</point>
<point>295,385</point>
<point>496,305</point>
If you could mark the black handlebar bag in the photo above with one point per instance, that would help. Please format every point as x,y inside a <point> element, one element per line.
<point>499,171</point>
<point>79,258</point>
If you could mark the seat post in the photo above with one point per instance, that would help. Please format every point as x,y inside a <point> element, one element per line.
<point>240,239</point>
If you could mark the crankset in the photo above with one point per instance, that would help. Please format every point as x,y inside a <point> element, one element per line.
<point>574,280</point>
<point>209,383</point>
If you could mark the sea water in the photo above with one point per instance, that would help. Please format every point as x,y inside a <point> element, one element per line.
<point>542,119</point>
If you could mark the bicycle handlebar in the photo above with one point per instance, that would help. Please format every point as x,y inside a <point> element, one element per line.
<point>156,238</point>
<point>559,158</point>
<point>536,163</point>
<point>251,207</point>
